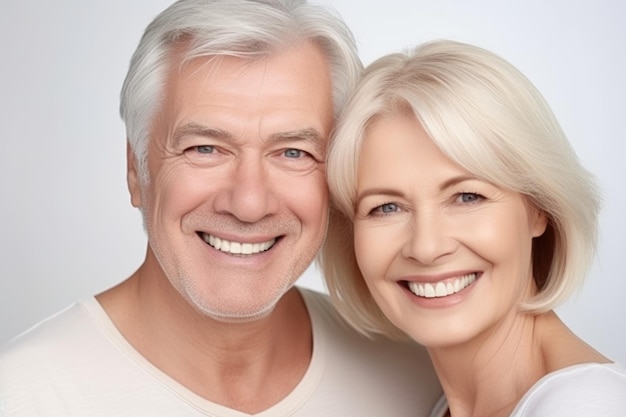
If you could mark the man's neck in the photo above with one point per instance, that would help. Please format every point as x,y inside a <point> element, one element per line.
<point>225,363</point>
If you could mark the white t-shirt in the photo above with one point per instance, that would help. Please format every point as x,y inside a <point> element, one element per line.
<point>585,390</point>
<point>76,363</point>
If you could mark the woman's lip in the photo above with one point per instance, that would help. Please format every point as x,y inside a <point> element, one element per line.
<point>442,287</point>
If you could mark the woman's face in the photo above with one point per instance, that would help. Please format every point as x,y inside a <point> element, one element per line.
<point>446,255</point>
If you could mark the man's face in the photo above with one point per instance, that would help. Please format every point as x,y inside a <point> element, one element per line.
<point>236,205</point>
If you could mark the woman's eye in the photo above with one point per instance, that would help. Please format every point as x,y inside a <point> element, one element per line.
<point>469,197</point>
<point>386,208</point>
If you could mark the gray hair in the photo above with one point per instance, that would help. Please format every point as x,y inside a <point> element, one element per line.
<point>250,29</point>
<point>488,118</point>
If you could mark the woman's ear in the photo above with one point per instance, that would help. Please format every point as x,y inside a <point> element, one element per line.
<point>538,221</point>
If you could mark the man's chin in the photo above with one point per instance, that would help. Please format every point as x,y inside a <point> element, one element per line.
<point>238,317</point>
<point>230,315</point>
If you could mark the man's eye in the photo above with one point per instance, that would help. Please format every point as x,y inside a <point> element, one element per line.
<point>205,149</point>
<point>294,153</point>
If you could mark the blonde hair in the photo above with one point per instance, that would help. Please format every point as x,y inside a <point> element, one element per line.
<point>489,118</point>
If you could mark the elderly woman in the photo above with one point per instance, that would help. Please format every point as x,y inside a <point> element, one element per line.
<point>462,218</point>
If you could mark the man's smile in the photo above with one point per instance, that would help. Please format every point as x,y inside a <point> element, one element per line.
<point>236,248</point>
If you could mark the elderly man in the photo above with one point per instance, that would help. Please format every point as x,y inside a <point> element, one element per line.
<point>229,106</point>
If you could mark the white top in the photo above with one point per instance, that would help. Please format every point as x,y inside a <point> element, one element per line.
<point>585,390</point>
<point>76,363</point>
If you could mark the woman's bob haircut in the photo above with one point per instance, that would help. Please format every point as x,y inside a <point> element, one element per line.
<point>488,118</point>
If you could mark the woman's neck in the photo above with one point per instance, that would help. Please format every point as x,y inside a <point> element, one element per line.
<point>489,375</point>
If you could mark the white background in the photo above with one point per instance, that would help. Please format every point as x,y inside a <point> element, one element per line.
<point>68,230</point>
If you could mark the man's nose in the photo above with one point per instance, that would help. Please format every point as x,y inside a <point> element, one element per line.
<point>250,195</point>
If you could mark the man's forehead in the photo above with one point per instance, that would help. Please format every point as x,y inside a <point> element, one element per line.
<point>230,98</point>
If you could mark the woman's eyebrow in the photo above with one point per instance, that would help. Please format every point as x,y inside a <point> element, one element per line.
<point>377,191</point>
<point>451,182</point>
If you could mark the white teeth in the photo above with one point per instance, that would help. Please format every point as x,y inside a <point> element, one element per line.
<point>237,248</point>
<point>429,291</point>
<point>441,289</point>
<point>247,248</point>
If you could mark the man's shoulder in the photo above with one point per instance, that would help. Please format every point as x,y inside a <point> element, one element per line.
<point>339,337</point>
<point>328,323</point>
<point>375,370</point>
<point>57,334</point>
<point>47,366</point>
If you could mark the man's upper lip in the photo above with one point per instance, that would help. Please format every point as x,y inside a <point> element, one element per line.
<point>240,238</point>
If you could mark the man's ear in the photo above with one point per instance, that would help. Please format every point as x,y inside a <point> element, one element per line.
<point>132,177</point>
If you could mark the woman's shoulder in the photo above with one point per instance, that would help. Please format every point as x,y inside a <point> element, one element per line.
<point>588,389</point>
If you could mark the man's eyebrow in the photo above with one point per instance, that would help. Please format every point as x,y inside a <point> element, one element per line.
<point>195,129</point>
<point>308,134</point>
